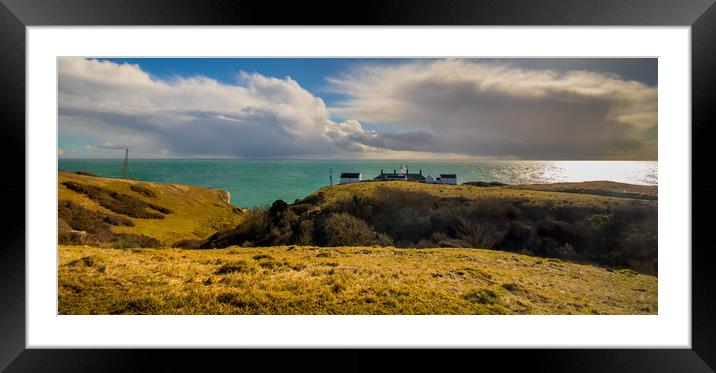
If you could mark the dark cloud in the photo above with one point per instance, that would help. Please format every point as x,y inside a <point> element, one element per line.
<point>502,111</point>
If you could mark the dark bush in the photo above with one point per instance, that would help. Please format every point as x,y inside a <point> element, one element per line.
<point>625,236</point>
<point>305,233</point>
<point>142,190</point>
<point>252,231</point>
<point>80,226</point>
<point>118,220</point>
<point>80,218</point>
<point>342,229</point>
<point>277,208</point>
<point>301,208</point>
<point>118,202</point>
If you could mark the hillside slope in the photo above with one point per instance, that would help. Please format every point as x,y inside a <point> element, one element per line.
<point>575,222</point>
<point>341,280</point>
<point>604,188</point>
<point>586,194</point>
<point>121,212</point>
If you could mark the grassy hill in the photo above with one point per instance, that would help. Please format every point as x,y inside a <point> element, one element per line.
<point>115,212</point>
<point>604,188</point>
<point>576,221</point>
<point>585,194</point>
<point>365,248</point>
<point>341,280</point>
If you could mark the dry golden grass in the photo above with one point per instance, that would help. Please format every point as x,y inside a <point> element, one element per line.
<point>196,212</point>
<point>528,192</point>
<point>345,280</point>
<point>588,187</point>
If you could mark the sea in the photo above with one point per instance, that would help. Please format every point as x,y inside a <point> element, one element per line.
<point>255,183</point>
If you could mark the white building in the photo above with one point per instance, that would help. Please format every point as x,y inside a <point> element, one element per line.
<point>351,177</point>
<point>447,179</point>
<point>442,179</point>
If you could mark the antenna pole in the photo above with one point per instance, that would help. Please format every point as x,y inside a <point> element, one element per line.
<point>331,176</point>
<point>125,165</point>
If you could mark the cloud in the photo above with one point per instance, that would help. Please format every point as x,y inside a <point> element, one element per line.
<point>492,109</point>
<point>196,116</point>
<point>425,108</point>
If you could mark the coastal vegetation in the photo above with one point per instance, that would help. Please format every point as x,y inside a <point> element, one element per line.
<point>131,247</point>
<point>128,213</point>
<point>341,280</point>
<point>579,224</point>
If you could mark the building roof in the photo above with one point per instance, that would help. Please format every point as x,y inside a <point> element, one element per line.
<point>417,177</point>
<point>448,176</point>
<point>350,175</point>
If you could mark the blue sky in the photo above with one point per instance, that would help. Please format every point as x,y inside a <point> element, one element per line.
<point>361,107</point>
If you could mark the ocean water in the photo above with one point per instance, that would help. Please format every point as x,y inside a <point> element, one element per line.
<point>260,182</point>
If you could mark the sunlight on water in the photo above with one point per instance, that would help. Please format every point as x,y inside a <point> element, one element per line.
<point>260,182</point>
<point>625,171</point>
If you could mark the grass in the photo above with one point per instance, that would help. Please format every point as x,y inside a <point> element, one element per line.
<point>184,212</point>
<point>605,188</point>
<point>344,280</point>
<point>547,196</point>
<point>584,227</point>
<point>118,202</point>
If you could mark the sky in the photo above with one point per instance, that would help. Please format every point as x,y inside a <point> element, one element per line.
<point>358,108</point>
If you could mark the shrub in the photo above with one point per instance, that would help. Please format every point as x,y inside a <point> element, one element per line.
<point>476,233</point>
<point>277,208</point>
<point>623,236</point>
<point>254,226</point>
<point>81,226</point>
<point>304,235</point>
<point>74,216</point>
<point>342,229</point>
<point>118,202</point>
<point>142,190</point>
<point>300,208</point>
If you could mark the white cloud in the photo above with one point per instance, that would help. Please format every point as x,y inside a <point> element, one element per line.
<point>465,108</point>
<point>256,117</point>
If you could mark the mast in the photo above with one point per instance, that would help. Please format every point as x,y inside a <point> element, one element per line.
<point>125,165</point>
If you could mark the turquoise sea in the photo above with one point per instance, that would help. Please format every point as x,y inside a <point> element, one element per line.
<point>260,182</point>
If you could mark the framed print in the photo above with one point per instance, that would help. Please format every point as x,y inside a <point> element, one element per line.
<point>465,176</point>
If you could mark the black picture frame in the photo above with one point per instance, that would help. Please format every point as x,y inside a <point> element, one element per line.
<point>16,15</point>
